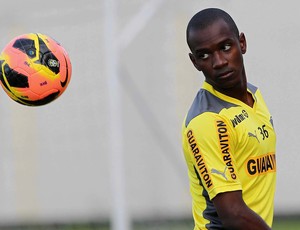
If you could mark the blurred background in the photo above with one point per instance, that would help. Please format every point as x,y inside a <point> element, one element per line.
<point>107,154</point>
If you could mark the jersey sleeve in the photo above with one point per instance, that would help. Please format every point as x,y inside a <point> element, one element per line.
<point>208,140</point>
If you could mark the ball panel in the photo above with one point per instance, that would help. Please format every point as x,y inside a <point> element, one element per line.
<point>14,78</point>
<point>26,46</point>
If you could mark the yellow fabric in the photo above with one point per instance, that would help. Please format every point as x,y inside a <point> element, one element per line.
<point>231,149</point>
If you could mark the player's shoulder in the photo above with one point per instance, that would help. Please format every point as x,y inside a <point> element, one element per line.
<point>253,89</point>
<point>206,104</point>
<point>256,92</point>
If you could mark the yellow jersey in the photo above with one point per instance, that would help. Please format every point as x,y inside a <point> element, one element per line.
<point>229,146</point>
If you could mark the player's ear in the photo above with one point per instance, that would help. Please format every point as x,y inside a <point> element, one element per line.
<point>193,59</point>
<point>243,43</point>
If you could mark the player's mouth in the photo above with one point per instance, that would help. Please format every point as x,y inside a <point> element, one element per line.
<point>224,75</point>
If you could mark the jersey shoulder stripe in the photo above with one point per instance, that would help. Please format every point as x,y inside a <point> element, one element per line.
<point>205,101</point>
<point>252,88</point>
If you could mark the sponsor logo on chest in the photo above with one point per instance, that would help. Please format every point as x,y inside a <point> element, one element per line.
<point>239,118</point>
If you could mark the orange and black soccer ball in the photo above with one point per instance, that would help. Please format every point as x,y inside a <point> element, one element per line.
<point>35,69</point>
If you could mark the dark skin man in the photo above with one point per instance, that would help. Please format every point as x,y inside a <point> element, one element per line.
<point>217,52</point>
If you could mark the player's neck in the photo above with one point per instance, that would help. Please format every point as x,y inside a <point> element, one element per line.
<point>244,96</point>
<point>240,93</point>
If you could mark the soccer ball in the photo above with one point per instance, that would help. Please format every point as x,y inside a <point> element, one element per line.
<point>35,69</point>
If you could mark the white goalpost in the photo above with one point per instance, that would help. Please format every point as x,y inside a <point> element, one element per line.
<point>115,41</point>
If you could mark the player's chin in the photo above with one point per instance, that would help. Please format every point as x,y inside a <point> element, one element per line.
<point>229,83</point>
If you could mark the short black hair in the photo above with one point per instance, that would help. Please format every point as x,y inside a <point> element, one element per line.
<point>206,17</point>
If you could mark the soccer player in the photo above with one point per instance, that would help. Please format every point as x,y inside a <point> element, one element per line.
<point>228,134</point>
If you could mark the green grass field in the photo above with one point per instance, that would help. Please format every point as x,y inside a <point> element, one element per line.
<point>292,223</point>
<point>280,223</point>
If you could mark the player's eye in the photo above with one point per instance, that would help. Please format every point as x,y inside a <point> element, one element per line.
<point>226,47</point>
<point>203,56</point>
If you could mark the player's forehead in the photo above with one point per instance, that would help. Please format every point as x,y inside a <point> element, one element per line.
<point>212,34</point>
